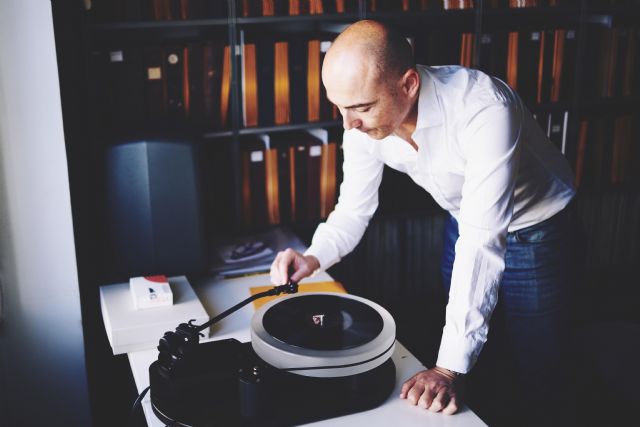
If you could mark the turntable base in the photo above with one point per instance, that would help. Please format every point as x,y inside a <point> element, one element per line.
<point>261,395</point>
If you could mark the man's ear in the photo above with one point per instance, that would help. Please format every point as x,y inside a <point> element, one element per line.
<point>411,82</point>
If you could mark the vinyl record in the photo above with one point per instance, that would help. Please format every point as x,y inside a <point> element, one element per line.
<point>323,334</point>
<point>323,322</point>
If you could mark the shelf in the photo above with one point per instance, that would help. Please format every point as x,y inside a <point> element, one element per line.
<point>613,16</point>
<point>271,129</point>
<point>530,18</point>
<point>295,19</point>
<point>619,105</point>
<point>551,107</point>
<point>143,25</point>
<point>424,20</point>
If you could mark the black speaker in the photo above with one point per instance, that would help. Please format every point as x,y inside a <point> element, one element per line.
<point>154,208</point>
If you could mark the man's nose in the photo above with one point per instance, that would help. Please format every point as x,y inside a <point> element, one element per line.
<point>350,122</point>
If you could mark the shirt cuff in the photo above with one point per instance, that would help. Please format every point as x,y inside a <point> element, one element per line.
<point>325,254</point>
<point>457,353</point>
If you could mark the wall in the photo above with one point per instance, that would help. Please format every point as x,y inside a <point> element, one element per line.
<point>42,366</point>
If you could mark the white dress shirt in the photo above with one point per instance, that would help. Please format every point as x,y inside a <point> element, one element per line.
<point>483,158</point>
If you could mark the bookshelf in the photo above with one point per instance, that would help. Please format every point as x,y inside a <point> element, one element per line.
<point>480,26</point>
<point>400,221</point>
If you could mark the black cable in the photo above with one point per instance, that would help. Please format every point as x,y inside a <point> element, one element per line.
<point>137,403</point>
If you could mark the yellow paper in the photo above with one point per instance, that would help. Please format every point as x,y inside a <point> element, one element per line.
<point>302,288</point>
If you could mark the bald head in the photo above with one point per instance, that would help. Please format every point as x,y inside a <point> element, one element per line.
<point>381,51</point>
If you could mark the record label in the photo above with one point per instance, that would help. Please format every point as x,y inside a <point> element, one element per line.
<point>323,322</point>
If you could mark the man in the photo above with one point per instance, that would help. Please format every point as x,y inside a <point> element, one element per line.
<point>468,140</point>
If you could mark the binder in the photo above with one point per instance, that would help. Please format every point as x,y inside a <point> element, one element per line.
<point>583,133</point>
<point>249,84</point>
<point>545,65</point>
<point>567,74</point>
<point>254,194</point>
<point>300,164</point>
<point>328,179</point>
<point>528,61</point>
<point>161,10</point>
<point>298,79</point>
<point>211,75</point>
<point>176,80</point>
<point>121,94</point>
<point>493,54</point>
<point>225,90</point>
<point>466,49</point>
<point>282,82</point>
<point>265,57</point>
<point>203,9</point>
<point>313,81</point>
<point>121,10</point>
<point>328,111</point>
<point>557,66</point>
<point>557,129</point>
<point>631,63</point>
<point>155,84</point>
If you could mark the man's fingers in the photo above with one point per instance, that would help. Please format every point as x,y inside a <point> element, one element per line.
<point>432,390</point>
<point>413,395</point>
<point>279,269</point>
<point>406,387</point>
<point>285,259</point>
<point>426,399</point>
<point>440,401</point>
<point>452,407</point>
<point>300,274</point>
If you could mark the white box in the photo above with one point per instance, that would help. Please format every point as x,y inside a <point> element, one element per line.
<point>130,330</point>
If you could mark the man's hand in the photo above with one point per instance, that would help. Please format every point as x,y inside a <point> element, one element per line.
<point>436,389</point>
<point>291,261</point>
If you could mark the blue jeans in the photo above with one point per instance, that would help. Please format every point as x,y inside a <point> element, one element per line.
<point>522,373</point>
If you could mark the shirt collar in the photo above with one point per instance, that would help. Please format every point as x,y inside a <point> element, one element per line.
<point>429,113</point>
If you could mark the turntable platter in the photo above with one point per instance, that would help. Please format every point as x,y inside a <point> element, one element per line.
<point>323,334</point>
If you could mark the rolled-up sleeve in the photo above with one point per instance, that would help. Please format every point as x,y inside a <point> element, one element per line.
<point>489,140</point>
<point>357,203</point>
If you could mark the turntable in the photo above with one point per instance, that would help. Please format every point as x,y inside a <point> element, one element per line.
<point>311,356</point>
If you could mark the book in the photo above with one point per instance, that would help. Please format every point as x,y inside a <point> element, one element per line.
<point>275,239</point>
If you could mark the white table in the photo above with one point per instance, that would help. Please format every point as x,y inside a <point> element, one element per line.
<point>218,295</point>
